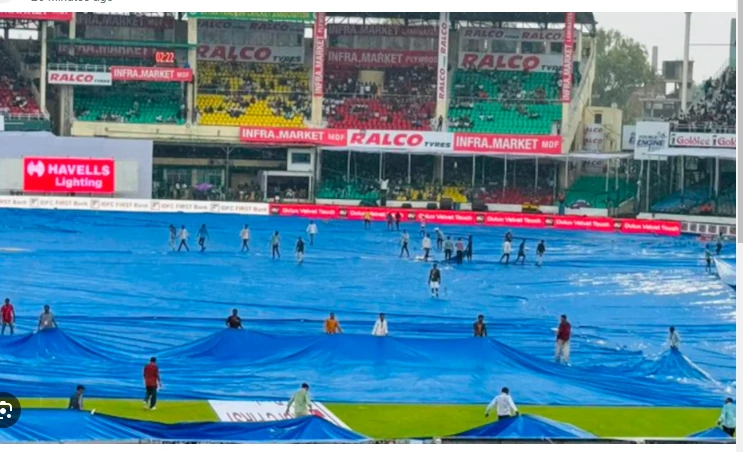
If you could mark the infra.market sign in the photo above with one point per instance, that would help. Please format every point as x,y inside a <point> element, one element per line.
<point>284,17</point>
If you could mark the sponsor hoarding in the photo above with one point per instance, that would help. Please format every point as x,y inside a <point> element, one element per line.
<point>151,74</point>
<point>54,17</point>
<point>566,90</point>
<point>513,34</point>
<point>405,140</point>
<point>703,140</point>
<point>265,411</point>
<point>465,218</point>
<point>443,62</point>
<point>80,78</point>
<point>251,53</point>
<point>628,138</point>
<point>510,62</point>
<point>593,137</point>
<point>107,51</point>
<point>651,136</point>
<point>318,56</point>
<point>68,175</point>
<point>381,58</point>
<point>287,16</point>
<point>381,30</point>
<point>249,25</point>
<point>126,21</point>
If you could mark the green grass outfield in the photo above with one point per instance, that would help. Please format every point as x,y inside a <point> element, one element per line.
<point>408,421</point>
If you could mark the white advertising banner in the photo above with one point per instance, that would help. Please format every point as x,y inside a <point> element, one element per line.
<point>2,123</point>
<point>251,53</point>
<point>443,62</point>
<point>80,78</point>
<point>651,136</point>
<point>513,34</point>
<point>628,138</point>
<point>593,137</point>
<point>251,411</point>
<point>703,140</point>
<point>510,62</point>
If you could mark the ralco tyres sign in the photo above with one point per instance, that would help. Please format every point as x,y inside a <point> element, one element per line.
<point>80,78</point>
<point>68,175</point>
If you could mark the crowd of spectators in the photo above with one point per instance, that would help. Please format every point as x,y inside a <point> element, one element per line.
<point>715,110</point>
<point>15,91</point>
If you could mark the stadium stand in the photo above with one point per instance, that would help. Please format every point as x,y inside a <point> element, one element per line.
<point>266,95</point>
<point>404,102</point>
<point>504,102</point>
<point>715,110</point>
<point>590,191</point>
<point>15,91</point>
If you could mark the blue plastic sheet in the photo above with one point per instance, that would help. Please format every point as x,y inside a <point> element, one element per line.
<point>525,426</point>
<point>36,425</point>
<point>711,433</point>
<point>120,296</point>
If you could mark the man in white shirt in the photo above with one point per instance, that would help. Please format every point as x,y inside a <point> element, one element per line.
<point>183,235</point>
<point>380,326</point>
<point>312,232</point>
<point>503,404</point>
<point>506,251</point>
<point>673,338</point>
<point>245,236</point>
<point>426,247</point>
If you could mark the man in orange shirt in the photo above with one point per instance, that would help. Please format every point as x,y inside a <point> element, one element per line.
<point>332,326</point>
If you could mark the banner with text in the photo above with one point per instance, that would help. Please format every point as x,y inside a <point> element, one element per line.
<point>68,175</point>
<point>250,53</point>
<point>251,26</point>
<point>566,90</point>
<point>593,137</point>
<point>293,17</point>
<point>266,411</point>
<point>651,136</point>
<point>443,63</point>
<point>499,219</point>
<point>513,34</point>
<point>367,58</point>
<point>510,62</point>
<point>107,51</point>
<point>127,21</point>
<point>703,140</point>
<point>405,140</point>
<point>381,30</point>
<point>151,74</point>
<point>319,44</point>
<point>79,78</point>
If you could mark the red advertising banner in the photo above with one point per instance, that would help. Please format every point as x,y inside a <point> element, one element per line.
<point>151,74</point>
<point>566,92</point>
<point>511,144</point>
<point>54,17</point>
<point>318,55</point>
<point>497,219</point>
<point>510,62</point>
<point>68,175</point>
<point>367,58</point>
<point>381,30</point>
<point>107,51</point>
<point>312,137</point>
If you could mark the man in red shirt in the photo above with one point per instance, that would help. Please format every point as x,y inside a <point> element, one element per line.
<point>562,347</point>
<point>8,315</point>
<point>151,383</point>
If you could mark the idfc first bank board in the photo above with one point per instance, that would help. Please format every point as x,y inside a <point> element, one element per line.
<point>68,175</point>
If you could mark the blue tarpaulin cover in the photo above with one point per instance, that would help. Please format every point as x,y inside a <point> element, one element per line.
<point>711,433</point>
<point>120,296</point>
<point>525,426</point>
<point>66,425</point>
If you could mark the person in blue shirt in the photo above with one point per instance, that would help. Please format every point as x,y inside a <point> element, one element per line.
<point>203,236</point>
<point>727,417</point>
<point>76,401</point>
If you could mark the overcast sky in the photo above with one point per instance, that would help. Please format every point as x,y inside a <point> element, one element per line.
<point>666,30</point>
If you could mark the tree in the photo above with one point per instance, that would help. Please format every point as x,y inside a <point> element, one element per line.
<point>622,67</point>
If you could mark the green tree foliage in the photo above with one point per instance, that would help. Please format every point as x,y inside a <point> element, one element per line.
<point>622,67</point>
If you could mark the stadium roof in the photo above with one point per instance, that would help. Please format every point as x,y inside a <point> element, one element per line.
<point>549,18</point>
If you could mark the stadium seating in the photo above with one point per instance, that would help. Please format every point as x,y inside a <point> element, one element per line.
<point>404,102</point>
<point>592,190</point>
<point>266,95</point>
<point>504,102</point>
<point>135,102</point>
<point>15,91</point>
<point>715,110</point>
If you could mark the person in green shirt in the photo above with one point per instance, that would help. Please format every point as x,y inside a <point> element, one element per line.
<point>301,401</point>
